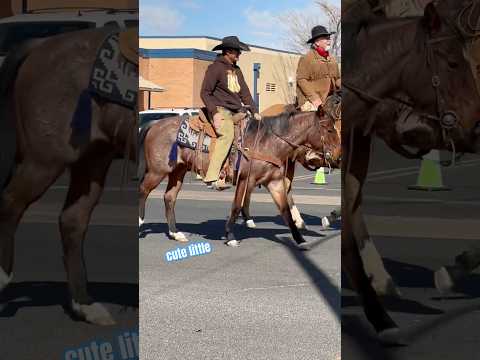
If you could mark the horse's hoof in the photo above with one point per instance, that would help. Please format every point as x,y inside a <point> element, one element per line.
<point>443,281</point>
<point>4,279</point>
<point>325,223</point>
<point>233,243</point>
<point>94,313</point>
<point>386,288</point>
<point>250,224</point>
<point>140,221</point>
<point>301,225</point>
<point>178,236</point>
<point>391,337</point>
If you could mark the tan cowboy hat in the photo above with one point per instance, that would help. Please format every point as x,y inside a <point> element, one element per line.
<point>231,42</point>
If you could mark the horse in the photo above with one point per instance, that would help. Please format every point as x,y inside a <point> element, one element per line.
<point>428,101</point>
<point>42,114</point>
<point>308,160</point>
<point>282,135</point>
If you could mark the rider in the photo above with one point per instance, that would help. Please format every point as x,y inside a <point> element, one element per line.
<point>317,77</point>
<point>224,93</point>
<point>317,73</point>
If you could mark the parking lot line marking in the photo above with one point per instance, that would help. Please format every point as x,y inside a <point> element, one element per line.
<point>259,198</point>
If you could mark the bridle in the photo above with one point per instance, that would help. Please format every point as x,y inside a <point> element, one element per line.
<point>446,118</point>
<point>304,148</point>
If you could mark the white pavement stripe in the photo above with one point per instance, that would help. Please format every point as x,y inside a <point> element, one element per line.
<point>108,215</point>
<point>417,200</point>
<point>259,198</point>
<point>394,173</point>
<point>421,227</point>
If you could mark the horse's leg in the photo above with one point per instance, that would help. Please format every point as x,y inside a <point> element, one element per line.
<point>278,192</point>
<point>243,186</point>
<point>351,261</point>
<point>150,181</point>
<point>246,212</point>
<point>175,181</point>
<point>297,217</point>
<point>374,267</point>
<point>29,181</point>
<point>87,180</point>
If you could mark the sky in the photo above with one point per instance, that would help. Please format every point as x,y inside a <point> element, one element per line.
<point>253,21</point>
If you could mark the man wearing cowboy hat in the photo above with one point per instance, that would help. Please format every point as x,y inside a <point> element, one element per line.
<point>317,73</point>
<point>317,77</point>
<point>224,92</point>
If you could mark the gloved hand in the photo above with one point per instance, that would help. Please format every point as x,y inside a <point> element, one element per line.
<point>218,120</point>
<point>257,116</point>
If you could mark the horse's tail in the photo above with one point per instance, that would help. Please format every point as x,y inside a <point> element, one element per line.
<point>11,64</point>
<point>8,74</point>
<point>142,163</point>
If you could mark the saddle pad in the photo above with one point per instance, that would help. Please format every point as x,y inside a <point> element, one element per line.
<point>187,137</point>
<point>113,77</point>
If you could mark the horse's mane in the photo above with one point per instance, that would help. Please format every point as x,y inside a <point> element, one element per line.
<point>279,124</point>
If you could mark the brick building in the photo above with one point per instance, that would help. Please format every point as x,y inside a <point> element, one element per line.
<point>179,64</point>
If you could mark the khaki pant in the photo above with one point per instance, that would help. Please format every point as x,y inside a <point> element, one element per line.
<point>222,147</point>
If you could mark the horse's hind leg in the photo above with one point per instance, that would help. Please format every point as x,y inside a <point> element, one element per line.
<point>86,186</point>
<point>29,181</point>
<point>277,190</point>
<point>175,181</point>
<point>150,181</point>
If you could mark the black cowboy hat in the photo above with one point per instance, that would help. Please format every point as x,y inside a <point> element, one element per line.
<point>231,42</point>
<point>319,31</point>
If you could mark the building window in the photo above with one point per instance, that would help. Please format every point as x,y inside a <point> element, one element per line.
<point>271,87</point>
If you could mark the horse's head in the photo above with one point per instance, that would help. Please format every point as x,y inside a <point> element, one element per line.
<point>440,83</point>
<point>324,142</point>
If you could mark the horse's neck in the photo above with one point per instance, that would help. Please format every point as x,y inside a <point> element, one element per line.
<point>383,52</point>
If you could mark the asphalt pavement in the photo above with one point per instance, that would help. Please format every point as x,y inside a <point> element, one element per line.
<point>262,300</point>
<point>416,232</point>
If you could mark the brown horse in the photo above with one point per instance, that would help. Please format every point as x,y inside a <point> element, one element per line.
<point>427,101</point>
<point>282,135</point>
<point>41,110</point>
<point>307,159</point>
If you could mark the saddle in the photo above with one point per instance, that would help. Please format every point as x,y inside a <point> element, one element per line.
<point>129,44</point>
<point>201,124</point>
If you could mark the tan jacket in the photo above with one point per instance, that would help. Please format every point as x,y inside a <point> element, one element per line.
<point>316,77</point>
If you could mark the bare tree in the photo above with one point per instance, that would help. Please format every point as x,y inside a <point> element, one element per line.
<point>334,16</point>
<point>299,24</point>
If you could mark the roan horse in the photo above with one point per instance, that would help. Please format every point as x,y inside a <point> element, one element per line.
<point>278,137</point>
<point>41,110</point>
<point>427,101</point>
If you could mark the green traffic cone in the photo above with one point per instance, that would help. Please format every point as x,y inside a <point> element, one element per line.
<point>320,177</point>
<point>430,175</point>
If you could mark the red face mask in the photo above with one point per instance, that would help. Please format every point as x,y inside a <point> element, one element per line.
<point>322,52</point>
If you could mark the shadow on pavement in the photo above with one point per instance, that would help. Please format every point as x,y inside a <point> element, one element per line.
<point>41,294</point>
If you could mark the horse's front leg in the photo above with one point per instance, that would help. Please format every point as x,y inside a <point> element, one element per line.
<point>86,186</point>
<point>175,181</point>
<point>278,191</point>
<point>246,212</point>
<point>352,263</point>
<point>244,186</point>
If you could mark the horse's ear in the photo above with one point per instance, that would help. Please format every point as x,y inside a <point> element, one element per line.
<point>431,19</point>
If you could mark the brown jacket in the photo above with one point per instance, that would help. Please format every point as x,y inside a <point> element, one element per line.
<point>317,77</point>
<point>215,87</point>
